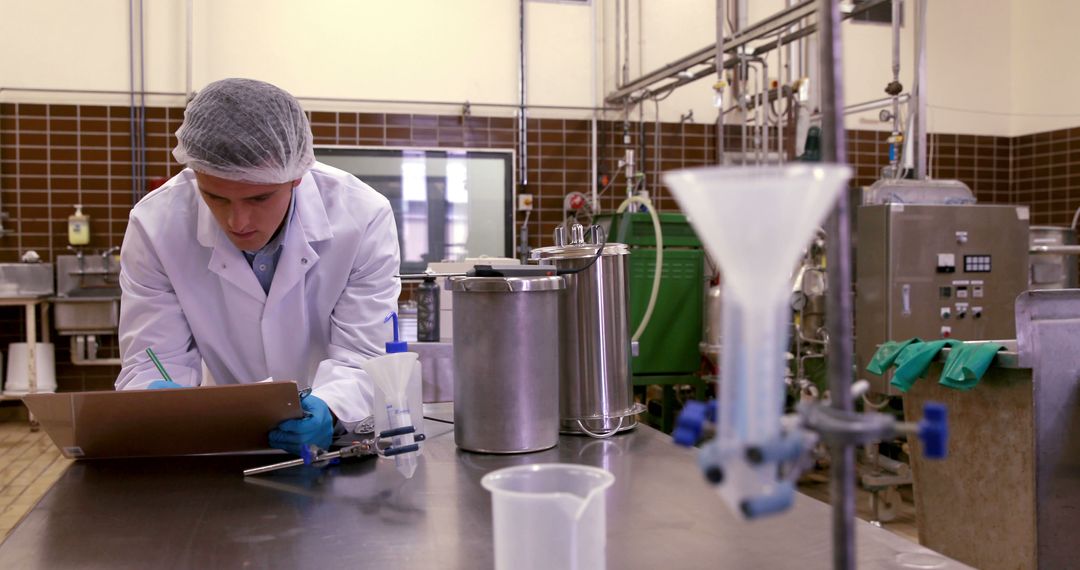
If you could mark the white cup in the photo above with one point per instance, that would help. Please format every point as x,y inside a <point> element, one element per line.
<point>549,515</point>
<point>18,373</point>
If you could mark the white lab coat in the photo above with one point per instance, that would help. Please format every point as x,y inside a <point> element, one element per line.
<point>190,294</point>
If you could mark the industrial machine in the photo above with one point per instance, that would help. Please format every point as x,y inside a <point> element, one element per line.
<point>936,271</point>
<point>668,353</point>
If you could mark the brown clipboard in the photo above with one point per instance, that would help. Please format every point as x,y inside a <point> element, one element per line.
<point>156,423</point>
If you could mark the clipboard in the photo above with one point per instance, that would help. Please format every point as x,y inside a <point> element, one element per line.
<point>157,423</point>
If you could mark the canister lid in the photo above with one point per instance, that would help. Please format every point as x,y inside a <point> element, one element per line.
<point>506,284</point>
<point>578,251</point>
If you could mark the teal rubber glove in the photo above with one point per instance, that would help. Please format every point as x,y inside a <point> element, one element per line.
<point>315,428</point>
<point>886,355</point>
<point>967,363</point>
<point>163,385</point>
<point>912,362</point>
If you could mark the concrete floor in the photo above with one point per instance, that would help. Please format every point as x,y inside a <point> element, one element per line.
<point>30,464</point>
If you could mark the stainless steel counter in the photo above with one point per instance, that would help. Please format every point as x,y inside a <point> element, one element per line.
<point>198,512</point>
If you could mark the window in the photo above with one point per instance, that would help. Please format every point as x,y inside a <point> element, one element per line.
<point>880,14</point>
<point>448,205</point>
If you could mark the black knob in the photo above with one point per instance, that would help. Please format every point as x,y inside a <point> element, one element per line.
<point>714,475</point>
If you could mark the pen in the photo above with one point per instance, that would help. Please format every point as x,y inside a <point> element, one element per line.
<point>164,375</point>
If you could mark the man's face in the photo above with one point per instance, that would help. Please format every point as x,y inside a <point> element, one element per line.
<point>249,214</point>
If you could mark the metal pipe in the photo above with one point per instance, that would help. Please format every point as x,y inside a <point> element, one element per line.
<point>721,12</point>
<point>190,43</point>
<point>868,105</point>
<point>839,314</point>
<point>757,31</point>
<point>142,105</point>
<point>1054,249</point>
<point>897,6</point>
<point>626,46</point>
<point>920,91</point>
<point>618,44</point>
<point>523,97</point>
<point>632,91</point>
<point>456,104</point>
<point>132,136</point>
<point>595,166</point>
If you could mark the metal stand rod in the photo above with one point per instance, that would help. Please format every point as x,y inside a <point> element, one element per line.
<point>839,322</point>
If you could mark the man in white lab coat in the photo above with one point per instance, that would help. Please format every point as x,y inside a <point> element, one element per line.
<point>259,262</point>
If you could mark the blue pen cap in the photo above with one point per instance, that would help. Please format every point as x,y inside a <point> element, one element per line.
<point>395,345</point>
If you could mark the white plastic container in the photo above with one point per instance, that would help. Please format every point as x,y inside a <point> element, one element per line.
<point>549,515</point>
<point>414,393</point>
<point>18,380</point>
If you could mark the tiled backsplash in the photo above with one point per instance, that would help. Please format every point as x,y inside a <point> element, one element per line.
<point>54,156</point>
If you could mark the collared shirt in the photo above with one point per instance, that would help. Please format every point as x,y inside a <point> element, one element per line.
<point>264,262</point>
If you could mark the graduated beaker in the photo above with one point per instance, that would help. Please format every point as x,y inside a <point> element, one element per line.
<point>549,515</point>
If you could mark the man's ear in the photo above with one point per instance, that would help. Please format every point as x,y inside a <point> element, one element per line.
<point>296,182</point>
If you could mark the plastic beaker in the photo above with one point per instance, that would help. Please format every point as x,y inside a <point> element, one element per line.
<point>549,515</point>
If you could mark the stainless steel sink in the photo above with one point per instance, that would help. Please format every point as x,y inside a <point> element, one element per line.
<point>22,280</point>
<point>87,297</point>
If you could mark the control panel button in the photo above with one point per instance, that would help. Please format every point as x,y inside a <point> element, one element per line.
<point>946,312</point>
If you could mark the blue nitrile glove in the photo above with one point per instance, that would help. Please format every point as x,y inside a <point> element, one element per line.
<point>162,385</point>
<point>315,428</point>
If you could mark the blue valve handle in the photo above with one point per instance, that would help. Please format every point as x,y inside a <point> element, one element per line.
<point>934,430</point>
<point>691,422</point>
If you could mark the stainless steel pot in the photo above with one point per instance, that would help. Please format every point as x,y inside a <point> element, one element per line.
<point>596,389</point>
<point>1053,258</point>
<point>506,355</point>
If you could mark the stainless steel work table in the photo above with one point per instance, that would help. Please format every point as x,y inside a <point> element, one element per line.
<point>199,512</point>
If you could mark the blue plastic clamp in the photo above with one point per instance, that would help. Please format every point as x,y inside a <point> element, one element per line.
<point>691,422</point>
<point>934,430</point>
<point>779,500</point>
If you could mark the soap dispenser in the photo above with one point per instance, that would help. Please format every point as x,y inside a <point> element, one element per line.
<point>78,227</point>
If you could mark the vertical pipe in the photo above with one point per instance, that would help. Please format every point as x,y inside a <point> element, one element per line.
<point>897,7</point>
<point>523,147</point>
<point>721,12</point>
<point>839,322</point>
<point>595,167</point>
<point>142,104</point>
<point>920,91</point>
<point>626,43</point>
<point>189,48</point>
<point>133,137</point>
<point>618,44</point>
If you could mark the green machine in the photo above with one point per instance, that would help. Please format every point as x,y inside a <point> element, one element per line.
<point>668,353</point>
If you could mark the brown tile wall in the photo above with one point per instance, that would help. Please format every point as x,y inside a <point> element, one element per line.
<point>49,154</point>
<point>1046,175</point>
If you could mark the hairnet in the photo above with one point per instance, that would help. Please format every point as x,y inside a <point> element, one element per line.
<point>245,130</point>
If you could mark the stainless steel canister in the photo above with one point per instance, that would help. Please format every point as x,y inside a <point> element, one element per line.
<point>506,354</point>
<point>596,393</point>
<point>1054,268</point>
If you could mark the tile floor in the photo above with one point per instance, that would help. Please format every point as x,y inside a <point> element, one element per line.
<point>29,465</point>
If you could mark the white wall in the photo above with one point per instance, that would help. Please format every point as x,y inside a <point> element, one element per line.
<point>1045,83</point>
<point>468,50</point>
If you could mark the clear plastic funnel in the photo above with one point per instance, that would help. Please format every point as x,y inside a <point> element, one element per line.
<point>755,222</point>
<point>549,516</point>
<point>391,374</point>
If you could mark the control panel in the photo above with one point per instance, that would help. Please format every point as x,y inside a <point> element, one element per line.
<point>936,271</point>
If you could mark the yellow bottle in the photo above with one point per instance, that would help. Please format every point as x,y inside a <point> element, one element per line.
<point>78,227</point>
